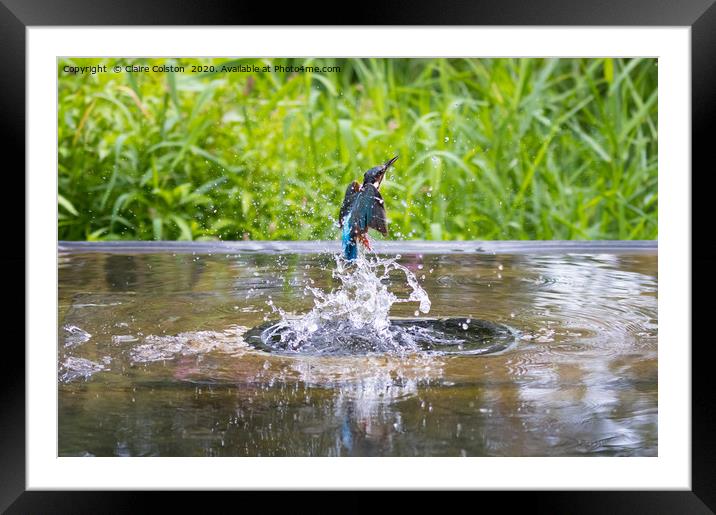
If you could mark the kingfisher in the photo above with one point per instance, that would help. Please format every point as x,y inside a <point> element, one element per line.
<point>363,208</point>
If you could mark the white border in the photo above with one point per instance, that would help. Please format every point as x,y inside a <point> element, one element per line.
<point>670,470</point>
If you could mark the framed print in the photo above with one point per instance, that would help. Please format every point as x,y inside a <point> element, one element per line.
<point>455,254</point>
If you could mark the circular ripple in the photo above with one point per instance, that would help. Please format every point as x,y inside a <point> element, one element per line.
<point>440,336</point>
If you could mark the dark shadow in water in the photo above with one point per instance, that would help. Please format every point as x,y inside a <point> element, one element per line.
<point>442,336</point>
<point>120,272</point>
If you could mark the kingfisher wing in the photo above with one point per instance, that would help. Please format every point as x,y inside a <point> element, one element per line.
<point>379,220</point>
<point>371,210</point>
<point>351,192</point>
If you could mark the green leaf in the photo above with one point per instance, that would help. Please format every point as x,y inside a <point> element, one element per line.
<point>609,70</point>
<point>436,232</point>
<point>157,226</point>
<point>183,227</point>
<point>66,204</point>
<point>246,199</point>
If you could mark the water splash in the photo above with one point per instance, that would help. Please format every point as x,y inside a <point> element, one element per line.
<point>75,335</point>
<point>160,348</point>
<point>355,316</point>
<point>79,368</point>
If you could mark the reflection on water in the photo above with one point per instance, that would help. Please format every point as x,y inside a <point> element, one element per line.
<point>152,359</point>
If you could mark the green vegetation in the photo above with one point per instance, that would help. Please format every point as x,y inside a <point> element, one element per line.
<point>489,148</point>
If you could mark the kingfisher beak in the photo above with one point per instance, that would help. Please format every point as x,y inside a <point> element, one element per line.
<point>385,168</point>
<point>390,162</point>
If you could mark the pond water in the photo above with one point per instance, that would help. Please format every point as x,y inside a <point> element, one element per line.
<point>160,352</point>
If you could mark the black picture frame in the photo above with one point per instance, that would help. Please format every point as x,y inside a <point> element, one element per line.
<point>700,15</point>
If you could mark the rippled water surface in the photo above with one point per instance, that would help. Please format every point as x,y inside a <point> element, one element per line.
<point>155,356</point>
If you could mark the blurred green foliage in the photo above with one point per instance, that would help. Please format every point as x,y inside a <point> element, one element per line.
<point>489,148</point>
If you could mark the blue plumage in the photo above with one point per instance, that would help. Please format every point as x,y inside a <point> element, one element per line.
<point>350,247</point>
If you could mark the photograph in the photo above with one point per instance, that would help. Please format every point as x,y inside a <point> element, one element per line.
<point>357,257</point>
